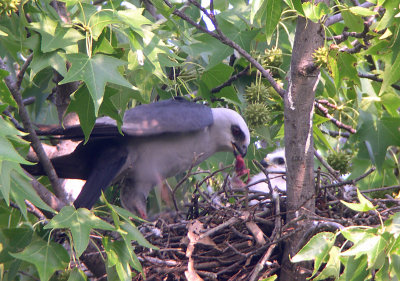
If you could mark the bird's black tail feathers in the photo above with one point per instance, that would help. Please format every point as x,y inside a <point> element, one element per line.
<point>102,175</point>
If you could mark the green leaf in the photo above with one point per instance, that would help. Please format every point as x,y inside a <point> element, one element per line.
<point>317,248</point>
<point>295,5</point>
<point>395,265</point>
<point>352,21</point>
<point>5,94</point>
<point>332,267</point>
<point>14,240</point>
<point>347,64</point>
<point>391,101</point>
<point>210,49</point>
<point>371,245</point>
<point>355,234</point>
<point>355,269</point>
<point>99,20</point>
<point>361,11</point>
<point>378,135</point>
<point>47,257</point>
<point>242,37</point>
<point>217,75</point>
<point>125,214</point>
<point>390,9</point>
<point>319,137</point>
<point>6,167</point>
<point>21,190</point>
<point>95,72</point>
<point>135,19</point>
<point>315,12</point>
<point>9,143</point>
<point>80,222</point>
<point>8,153</point>
<point>112,109</point>
<point>118,256</point>
<point>273,15</point>
<point>133,234</point>
<point>82,104</point>
<point>214,77</point>
<point>364,205</point>
<point>54,36</point>
<point>391,75</point>
<point>77,275</point>
<point>42,60</point>
<point>392,225</point>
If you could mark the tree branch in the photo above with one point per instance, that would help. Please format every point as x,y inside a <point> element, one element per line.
<point>338,17</point>
<point>21,73</point>
<point>339,124</point>
<point>374,77</point>
<point>225,40</point>
<point>230,80</point>
<point>36,144</point>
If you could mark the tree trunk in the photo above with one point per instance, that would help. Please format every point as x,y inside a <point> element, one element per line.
<point>299,105</point>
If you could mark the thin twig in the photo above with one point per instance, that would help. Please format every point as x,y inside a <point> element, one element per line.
<point>380,189</point>
<point>352,182</point>
<point>228,223</point>
<point>333,119</point>
<point>22,71</point>
<point>230,80</point>
<point>266,173</point>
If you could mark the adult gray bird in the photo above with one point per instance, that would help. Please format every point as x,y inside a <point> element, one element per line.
<point>159,140</point>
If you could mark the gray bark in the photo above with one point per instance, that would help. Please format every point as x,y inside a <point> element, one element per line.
<point>299,139</point>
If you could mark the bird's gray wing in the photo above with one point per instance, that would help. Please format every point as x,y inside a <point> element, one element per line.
<point>168,116</point>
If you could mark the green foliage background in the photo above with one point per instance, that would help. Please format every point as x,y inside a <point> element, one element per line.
<point>122,56</point>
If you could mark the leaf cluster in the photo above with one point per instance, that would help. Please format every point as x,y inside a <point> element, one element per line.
<point>367,253</point>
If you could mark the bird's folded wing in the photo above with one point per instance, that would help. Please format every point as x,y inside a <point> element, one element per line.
<point>168,116</point>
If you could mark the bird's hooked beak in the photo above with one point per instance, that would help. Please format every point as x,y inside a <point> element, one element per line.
<point>264,163</point>
<point>239,149</point>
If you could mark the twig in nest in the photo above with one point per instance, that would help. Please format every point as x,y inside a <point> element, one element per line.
<point>188,174</point>
<point>276,234</point>
<point>266,173</point>
<point>219,227</point>
<point>381,189</point>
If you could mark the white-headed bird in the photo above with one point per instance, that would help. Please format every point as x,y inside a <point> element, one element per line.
<point>159,140</point>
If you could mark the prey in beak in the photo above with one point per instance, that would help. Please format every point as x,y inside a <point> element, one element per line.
<point>239,150</point>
